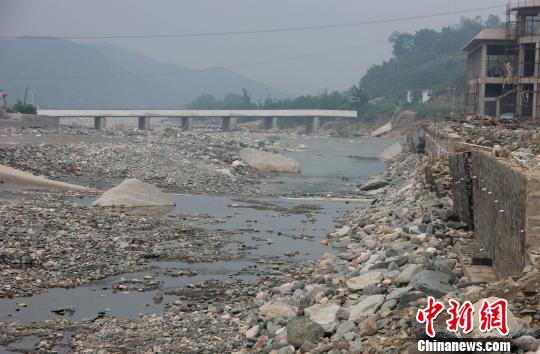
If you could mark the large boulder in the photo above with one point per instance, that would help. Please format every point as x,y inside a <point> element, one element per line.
<point>432,283</point>
<point>268,162</point>
<point>276,309</point>
<point>368,306</point>
<point>302,331</point>
<point>364,280</point>
<point>134,193</point>
<point>324,315</point>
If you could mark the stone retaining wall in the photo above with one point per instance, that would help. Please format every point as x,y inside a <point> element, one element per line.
<point>499,200</point>
<point>500,208</point>
<point>461,187</point>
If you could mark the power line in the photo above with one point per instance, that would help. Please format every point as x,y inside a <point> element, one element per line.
<point>261,31</point>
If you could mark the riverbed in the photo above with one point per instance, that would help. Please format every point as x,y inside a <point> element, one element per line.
<point>267,235</point>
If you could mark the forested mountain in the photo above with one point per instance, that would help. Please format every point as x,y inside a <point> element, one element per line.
<point>65,74</point>
<point>427,59</point>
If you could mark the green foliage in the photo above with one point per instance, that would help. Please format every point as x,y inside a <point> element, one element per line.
<point>427,59</point>
<point>382,109</point>
<point>431,111</point>
<point>348,100</point>
<point>26,108</point>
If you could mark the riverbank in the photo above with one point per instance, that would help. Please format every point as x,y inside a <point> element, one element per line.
<point>383,259</point>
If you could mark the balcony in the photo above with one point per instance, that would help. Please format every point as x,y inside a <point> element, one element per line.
<point>517,5</point>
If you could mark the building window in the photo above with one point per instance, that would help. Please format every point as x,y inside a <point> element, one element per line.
<point>494,90</point>
<point>530,25</point>
<point>529,59</point>
<point>490,108</point>
<point>497,58</point>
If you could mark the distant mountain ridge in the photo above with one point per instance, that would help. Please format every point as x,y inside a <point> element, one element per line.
<point>64,74</point>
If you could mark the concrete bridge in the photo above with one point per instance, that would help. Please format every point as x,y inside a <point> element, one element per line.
<point>230,117</point>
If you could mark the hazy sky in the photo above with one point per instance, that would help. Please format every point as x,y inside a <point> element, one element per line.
<point>299,62</point>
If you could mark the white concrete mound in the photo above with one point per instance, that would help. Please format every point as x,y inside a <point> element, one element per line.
<point>134,193</point>
<point>11,178</point>
<point>267,162</point>
<point>390,152</point>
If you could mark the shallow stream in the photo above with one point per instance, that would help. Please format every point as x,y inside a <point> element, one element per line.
<point>267,233</point>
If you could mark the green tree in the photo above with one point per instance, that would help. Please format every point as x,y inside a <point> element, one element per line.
<point>26,108</point>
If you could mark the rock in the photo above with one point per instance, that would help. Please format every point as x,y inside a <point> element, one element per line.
<point>268,162</point>
<point>277,309</point>
<point>261,342</point>
<point>287,350</point>
<point>302,330</point>
<point>356,347</point>
<point>367,327</point>
<point>367,306</point>
<point>398,293</point>
<point>365,280</point>
<point>345,327</point>
<point>134,193</point>
<point>432,283</point>
<point>324,315</point>
<point>407,274</point>
<point>377,184</point>
<point>527,343</point>
<point>343,231</point>
<point>253,332</point>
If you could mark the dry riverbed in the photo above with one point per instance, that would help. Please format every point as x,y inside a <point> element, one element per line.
<point>286,275</point>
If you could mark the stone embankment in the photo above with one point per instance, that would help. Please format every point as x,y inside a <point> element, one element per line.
<point>399,251</point>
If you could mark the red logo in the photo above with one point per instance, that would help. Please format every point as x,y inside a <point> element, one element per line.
<point>430,314</point>
<point>494,316</point>
<point>460,317</point>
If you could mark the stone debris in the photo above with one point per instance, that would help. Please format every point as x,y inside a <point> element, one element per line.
<point>134,193</point>
<point>398,252</point>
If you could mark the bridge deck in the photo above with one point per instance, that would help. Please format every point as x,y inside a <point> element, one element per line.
<point>195,113</point>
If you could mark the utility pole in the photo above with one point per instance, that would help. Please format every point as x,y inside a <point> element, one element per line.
<point>25,94</point>
<point>451,97</point>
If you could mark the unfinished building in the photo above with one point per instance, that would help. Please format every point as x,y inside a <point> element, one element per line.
<point>503,74</point>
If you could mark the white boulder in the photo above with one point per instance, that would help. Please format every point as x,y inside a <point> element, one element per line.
<point>134,193</point>
<point>268,162</point>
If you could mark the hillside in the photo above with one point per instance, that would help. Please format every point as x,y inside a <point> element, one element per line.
<point>72,75</point>
<point>427,59</point>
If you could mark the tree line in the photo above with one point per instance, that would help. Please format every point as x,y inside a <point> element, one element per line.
<point>426,59</point>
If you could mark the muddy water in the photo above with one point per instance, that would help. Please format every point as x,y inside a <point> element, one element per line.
<point>268,234</point>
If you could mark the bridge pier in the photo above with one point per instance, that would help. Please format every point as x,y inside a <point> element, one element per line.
<point>271,123</point>
<point>187,123</point>
<point>144,123</point>
<point>229,123</point>
<point>100,123</point>
<point>312,125</point>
